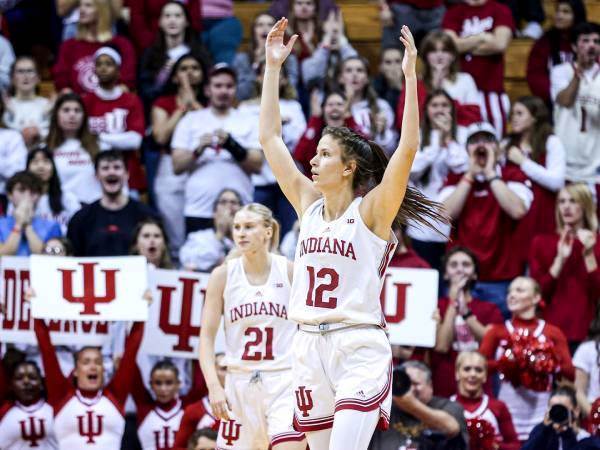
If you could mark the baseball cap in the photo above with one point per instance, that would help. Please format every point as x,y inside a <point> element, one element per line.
<point>222,68</point>
<point>481,128</point>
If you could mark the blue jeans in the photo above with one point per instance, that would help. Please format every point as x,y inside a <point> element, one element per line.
<point>494,292</point>
<point>222,37</point>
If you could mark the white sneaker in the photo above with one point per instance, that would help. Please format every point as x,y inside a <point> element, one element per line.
<point>532,30</point>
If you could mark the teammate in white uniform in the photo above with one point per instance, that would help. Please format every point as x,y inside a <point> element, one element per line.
<point>342,357</point>
<point>252,293</point>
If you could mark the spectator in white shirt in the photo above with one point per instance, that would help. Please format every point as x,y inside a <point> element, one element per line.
<point>26,111</point>
<point>74,148</point>
<point>214,145</point>
<point>587,368</point>
<point>13,154</point>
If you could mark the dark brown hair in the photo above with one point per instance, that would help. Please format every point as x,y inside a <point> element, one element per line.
<point>371,162</point>
<point>56,136</point>
<point>540,130</point>
<point>427,126</point>
<point>165,259</point>
<point>27,180</point>
<point>428,45</point>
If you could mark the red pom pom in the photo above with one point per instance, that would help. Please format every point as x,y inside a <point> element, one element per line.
<point>482,435</point>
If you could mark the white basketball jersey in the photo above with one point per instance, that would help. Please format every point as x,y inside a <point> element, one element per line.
<point>258,334</point>
<point>24,427</point>
<point>339,269</point>
<point>578,127</point>
<point>89,423</point>
<point>157,430</point>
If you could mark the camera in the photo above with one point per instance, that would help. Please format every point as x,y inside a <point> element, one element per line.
<point>401,382</point>
<point>559,414</point>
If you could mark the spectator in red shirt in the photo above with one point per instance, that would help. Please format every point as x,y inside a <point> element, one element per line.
<point>526,404</point>
<point>465,319</point>
<point>74,68</point>
<point>116,116</point>
<point>441,70</point>
<point>332,112</point>
<point>418,15</point>
<point>554,47</point>
<point>541,156</point>
<point>482,31</point>
<point>471,375</point>
<point>404,256</point>
<point>565,263</point>
<point>486,203</point>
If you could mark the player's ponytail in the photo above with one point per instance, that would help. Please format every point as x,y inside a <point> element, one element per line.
<point>371,162</point>
<point>269,221</point>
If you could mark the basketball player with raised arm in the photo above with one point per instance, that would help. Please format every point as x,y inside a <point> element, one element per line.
<point>342,357</point>
<point>251,291</point>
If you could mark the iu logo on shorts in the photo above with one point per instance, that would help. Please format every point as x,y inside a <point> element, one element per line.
<point>89,297</point>
<point>88,428</point>
<point>32,431</point>
<point>304,400</point>
<point>230,431</point>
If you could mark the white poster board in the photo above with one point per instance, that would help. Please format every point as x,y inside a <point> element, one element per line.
<point>103,288</point>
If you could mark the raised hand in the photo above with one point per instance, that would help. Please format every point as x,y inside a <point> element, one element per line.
<point>276,51</point>
<point>409,61</point>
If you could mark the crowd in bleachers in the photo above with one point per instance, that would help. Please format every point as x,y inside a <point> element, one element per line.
<point>148,144</point>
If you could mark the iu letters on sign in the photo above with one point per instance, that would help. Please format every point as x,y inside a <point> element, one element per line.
<point>89,288</point>
<point>16,325</point>
<point>174,321</point>
<point>409,298</point>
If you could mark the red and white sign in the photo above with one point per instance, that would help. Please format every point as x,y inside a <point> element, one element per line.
<point>93,289</point>
<point>175,314</point>
<point>16,324</point>
<point>409,299</point>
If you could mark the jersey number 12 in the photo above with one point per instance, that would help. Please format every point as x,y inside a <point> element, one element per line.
<point>329,280</point>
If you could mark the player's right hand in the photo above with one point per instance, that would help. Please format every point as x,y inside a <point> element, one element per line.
<point>218,403</point>
<point>275,50</point>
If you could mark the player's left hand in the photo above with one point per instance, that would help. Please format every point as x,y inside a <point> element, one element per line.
<point>409,61</point>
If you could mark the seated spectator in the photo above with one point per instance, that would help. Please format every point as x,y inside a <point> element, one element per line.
<point>389,82</point>
<point>206,249</point>
<point>289,242</point>
<point>486,203</point>
<point>22,233</point>
<point>565,263</point>
<point>524,387</point>
<point>74,148</point>
<point>214,146</point>
<point>146,16</point>
<point>304,21</point>
<point>320,64</point>
<point>404,256</point>
<point>174,38</point>
<point>420,16</point>
<point>183,92</point>
<point>68,11</point>
<point>149,240</point>
<point>554,47</point>
<point>482,31</point>
<point>198,415</point>
<point>74,68</point>
<point>528,15</point>
<point>587,369</point>
<point>540,154</point>
<point>281,8</point>
<point>465,319</point>
<point>421,420</point>
<point>266,189</point>
<point>575,90</point>
<point>203,439</point>
<point>115,116</point>
<point>54,204</point>
<point>7,59</point>
<point>441,61</point>
<point>247,64</point>
<point>560,428</point>
<point>221,30</point>
<point>442,151</point>
<point>333,111</point>
<point>471,375</point>
<point>372,114</point>
<point>25,111</point>
<point>104,228</point>
<point>13,154</point>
